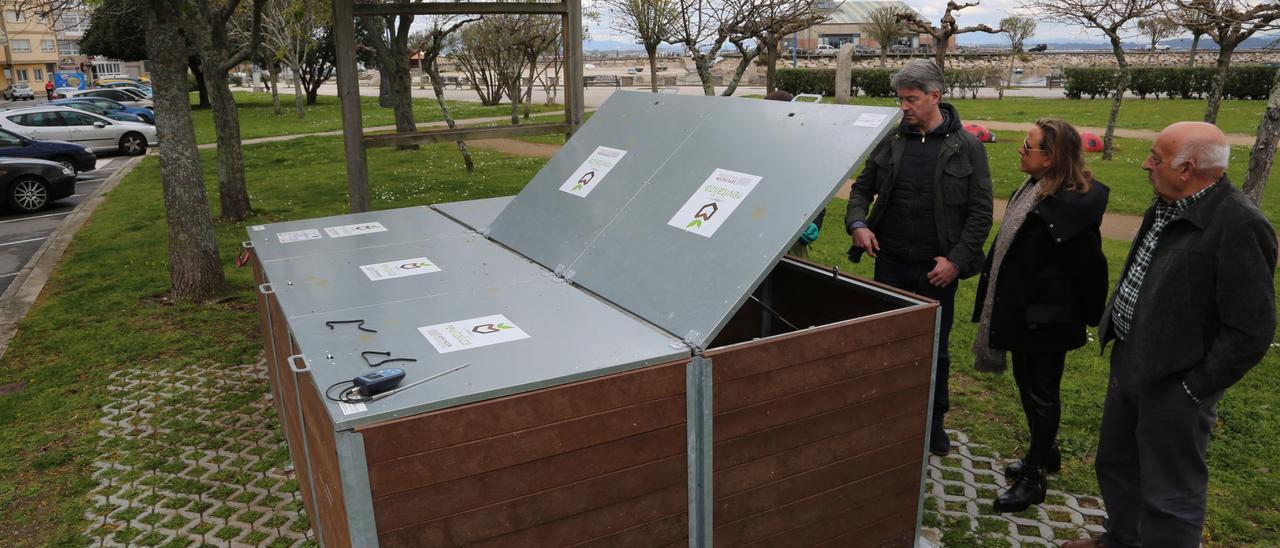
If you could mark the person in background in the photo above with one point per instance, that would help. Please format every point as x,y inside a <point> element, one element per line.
<point>1045,279</point>
<point>1194,311</point>
<point>801,247</point>
<point>932,215</point>
<point>48,89</point>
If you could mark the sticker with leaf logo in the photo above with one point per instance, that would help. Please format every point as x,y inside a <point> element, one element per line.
<point>399,269</point>
<point>714,202</point>
<point>472,333</point>
<point>591,173</point>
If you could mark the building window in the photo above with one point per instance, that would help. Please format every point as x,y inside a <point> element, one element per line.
<point>39,75</point>
<point>68,47</point>
<point>8,74</point>
<point>21,46</point>
<point>100,69</point>
<point>837,40</point>
<point>13,16</point>
<point>22,75</point>
<point>47,46</point>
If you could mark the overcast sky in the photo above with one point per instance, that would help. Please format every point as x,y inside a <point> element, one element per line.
<point>989,12</point>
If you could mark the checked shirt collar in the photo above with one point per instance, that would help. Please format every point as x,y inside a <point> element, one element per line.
<point>1127,293</point>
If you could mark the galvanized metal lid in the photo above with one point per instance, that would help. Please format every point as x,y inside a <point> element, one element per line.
<point>699,198</point>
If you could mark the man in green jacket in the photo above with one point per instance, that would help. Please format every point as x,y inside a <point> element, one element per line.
<point>929,170</point>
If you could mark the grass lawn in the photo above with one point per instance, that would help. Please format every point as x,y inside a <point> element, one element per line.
<point>257,119</point>
<point>100,311</point>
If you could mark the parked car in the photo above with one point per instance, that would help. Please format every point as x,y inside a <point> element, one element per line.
<point>1038,48</point>
<point>145,91</point>
<point>825,50</point>
<point>63,93</point>
<point>20,90</point>
<point>99,133</point>
<point>76,157</point>
<point>100,110</point>
<point>118,95</point>
<point>28,184</point>
<point>147,115</point>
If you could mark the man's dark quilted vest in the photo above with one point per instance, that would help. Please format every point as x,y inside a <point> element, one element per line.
<point>908,230</point>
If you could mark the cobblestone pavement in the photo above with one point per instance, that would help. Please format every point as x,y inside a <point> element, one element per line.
<point>194,456</point>
<point>960,491</point>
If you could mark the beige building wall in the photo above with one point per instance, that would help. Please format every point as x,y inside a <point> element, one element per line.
<point>30,50</point>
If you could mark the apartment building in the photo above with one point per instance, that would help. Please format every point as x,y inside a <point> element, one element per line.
<point>30,50</point>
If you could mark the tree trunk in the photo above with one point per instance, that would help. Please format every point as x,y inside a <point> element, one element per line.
<point>1195,45</point>
<point>438,88</point>
<point>232,192</point>
<point>202,88</point>
<point>513,89</point>
<point>1008,81</point>
<point>743,64</point>
<point>652,50</point>
<point>940,57</point>
<point>1264,147</point>
<point>1219,83</point>
<point>273,73</point>
<point>195,272</point>
<point>313,94</point>
<point>533,73</point>
<point>703,65</point>
<point>299,96</point>
<point>771,64</point>
<point>884,55</point>
<point>1122,84</point>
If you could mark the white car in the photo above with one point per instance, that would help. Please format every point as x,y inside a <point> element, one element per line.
<point>97,133</point>
<point>826,50</point>
<point>118,95</point>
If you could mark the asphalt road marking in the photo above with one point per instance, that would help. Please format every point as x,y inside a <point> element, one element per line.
<point>24,241</point>
<point>37,216</point>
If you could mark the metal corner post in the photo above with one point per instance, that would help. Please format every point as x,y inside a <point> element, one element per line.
<point>344,37</point>
<point>573,60</point>
<point>928,422</point>
<point>698,397</point>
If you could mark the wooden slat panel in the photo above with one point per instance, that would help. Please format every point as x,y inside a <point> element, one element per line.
<point>513,448</point>
<point>330,511</point>
<point>661,532</point>
<point>398,438</point>
<point>442,499</point>
<point>874,514</point>
<point>600,521</point>
<point>795,434</point>
<point>896,531</point>
<point>811,344</point>
<point>821,474</point>
<point>908,357</point>
<point>876,487</point>
<point>545,515</point>
<point>291,420</point>
<point>901,390</point>
<point>758,485</point>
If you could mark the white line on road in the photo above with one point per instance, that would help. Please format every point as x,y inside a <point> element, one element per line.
<point>3,276</point>
<point>24,241</point>
<point>37,216</point>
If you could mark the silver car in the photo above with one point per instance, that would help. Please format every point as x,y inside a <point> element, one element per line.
<point>19,90</point>
<point>97,133</point>
<point>118,95</point>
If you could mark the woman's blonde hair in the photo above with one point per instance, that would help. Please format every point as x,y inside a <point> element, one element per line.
<point>1061,142</point>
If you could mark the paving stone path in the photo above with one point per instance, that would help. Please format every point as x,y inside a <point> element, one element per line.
<point>194,456</point>
<point>962,486</point>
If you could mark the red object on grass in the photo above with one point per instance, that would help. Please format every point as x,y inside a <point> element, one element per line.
<point>982,133</point>
<point>1091,142</point>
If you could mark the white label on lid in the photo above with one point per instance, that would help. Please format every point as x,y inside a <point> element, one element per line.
<point>399,269</point>
<point>298,235</point>
<point>354,230</point>
<point>258,228</point>
<point>472,333</point>
<point>870,120</point>
<point>712,204</point>
<point>591,173</point>
<point>349,408</point>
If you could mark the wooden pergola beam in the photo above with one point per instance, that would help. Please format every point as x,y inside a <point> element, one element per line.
<point>466,134</point>
<point>459,8</point>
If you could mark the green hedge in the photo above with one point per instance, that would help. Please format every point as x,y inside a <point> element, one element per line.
<point>873,82</point>
<point>1243,82</point>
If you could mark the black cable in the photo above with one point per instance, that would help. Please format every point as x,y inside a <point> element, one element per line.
<point>775,313</point>
<point>342,396</point>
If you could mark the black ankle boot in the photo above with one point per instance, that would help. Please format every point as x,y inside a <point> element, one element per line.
<point>1053,464</point>
<point>1029,489</point>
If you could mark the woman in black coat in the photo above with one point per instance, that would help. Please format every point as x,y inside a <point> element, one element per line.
<point>1045,280</point>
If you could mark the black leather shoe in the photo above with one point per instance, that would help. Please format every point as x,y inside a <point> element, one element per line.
<point>939,443</point>
<point>1029,489</point>
<point>1052,466</point>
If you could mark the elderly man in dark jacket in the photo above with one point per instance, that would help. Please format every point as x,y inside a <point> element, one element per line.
<point>932,193</point>
<point>1192,313</point>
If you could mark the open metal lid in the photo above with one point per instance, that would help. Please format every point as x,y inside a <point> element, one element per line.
<point>709,194</point>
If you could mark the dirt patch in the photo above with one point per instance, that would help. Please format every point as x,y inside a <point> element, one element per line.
<point>12,388</point>
<point>516,147</point>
